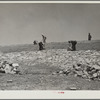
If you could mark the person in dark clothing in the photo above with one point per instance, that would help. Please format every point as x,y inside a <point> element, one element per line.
<point>89,37</point>
<point>35,42</point>
<point>69,48</point>
<point>73,45</point>
<point>44,40</point>
<point>41,46</point>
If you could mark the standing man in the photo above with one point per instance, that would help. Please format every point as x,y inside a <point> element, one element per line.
<point>74,45</point>
<point>35,42</point>
<point>44,38</point>
<point>69,48</point>
<point>89,37</point>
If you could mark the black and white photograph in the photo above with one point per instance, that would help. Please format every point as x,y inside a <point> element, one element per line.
<point>50,46</point>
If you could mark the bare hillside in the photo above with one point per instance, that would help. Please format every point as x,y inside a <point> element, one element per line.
<point>54,68</point>
<point>81,45</point>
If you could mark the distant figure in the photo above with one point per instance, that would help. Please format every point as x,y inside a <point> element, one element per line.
<point>41,46</point>
<point>73,45</point>
<point>44,38</point>
<point>89,37</point>
<point>69,46</point>
<point>35,42</point>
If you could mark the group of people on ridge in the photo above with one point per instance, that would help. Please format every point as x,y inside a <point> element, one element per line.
<point>41,43</point>
<point>71,44</point>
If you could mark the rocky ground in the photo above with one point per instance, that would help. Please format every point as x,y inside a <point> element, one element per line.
<point>54,69</point>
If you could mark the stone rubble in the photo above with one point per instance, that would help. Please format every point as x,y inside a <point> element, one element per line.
<point>10,68</point>
<point>81,63</point>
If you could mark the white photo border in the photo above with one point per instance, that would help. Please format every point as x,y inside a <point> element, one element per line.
<point>50,94</point>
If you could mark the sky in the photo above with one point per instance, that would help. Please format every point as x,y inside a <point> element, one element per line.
<point>22,23</point>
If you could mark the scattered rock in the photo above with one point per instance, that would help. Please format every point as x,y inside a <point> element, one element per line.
<point>80,63</point>
<point>95,75</point>
<point>79,73</point>
<point>9,81</point>
<point>10,68</point>
<point>96,66</point>
<point>73,88</point>
<point>60,72</point>
<point>54,73</point>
